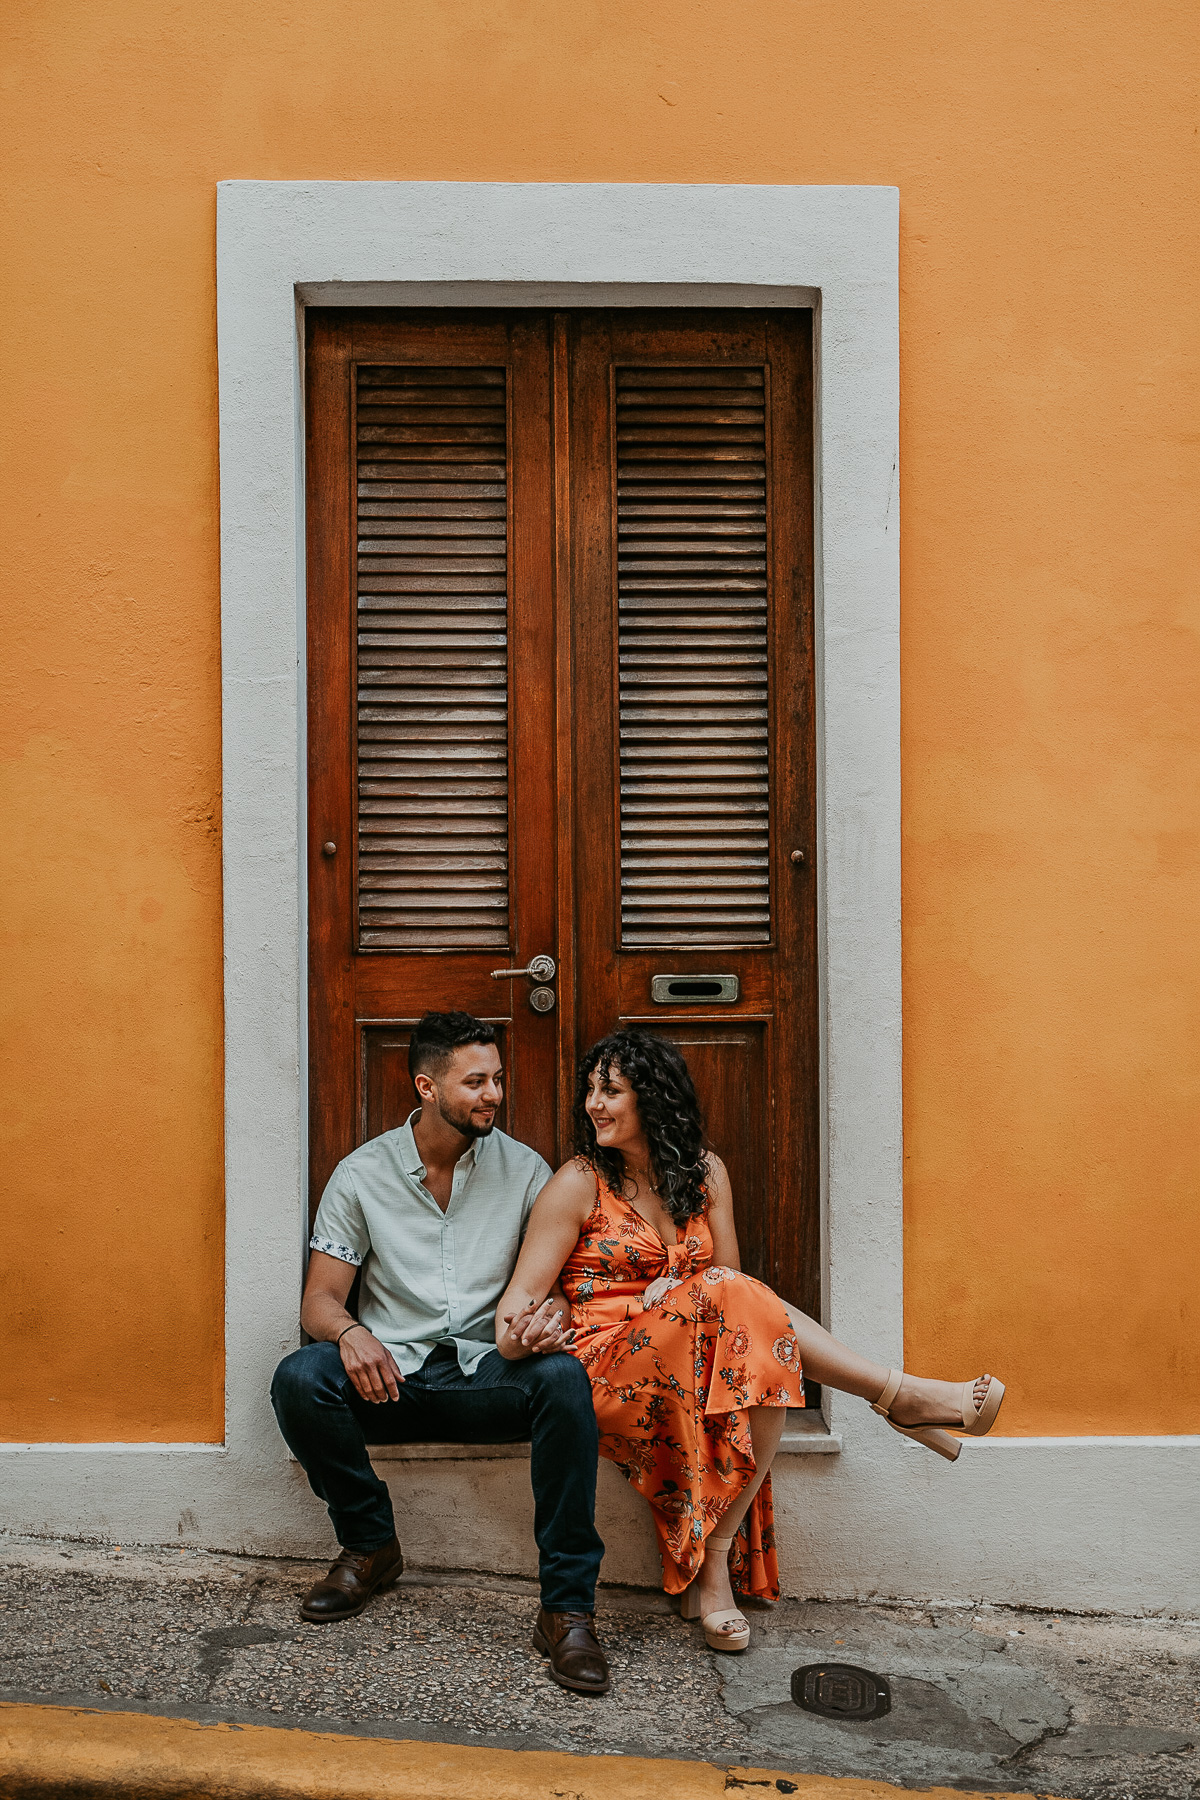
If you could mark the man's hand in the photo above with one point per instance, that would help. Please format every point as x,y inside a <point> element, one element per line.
<point>535,1330</point>
<point>370,1365</point>
<point>323,1315</point>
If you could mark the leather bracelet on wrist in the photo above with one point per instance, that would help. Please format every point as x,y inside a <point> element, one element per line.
<point>357,1325</point>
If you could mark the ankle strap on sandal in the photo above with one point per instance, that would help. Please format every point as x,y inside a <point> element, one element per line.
<point>891,1388</point>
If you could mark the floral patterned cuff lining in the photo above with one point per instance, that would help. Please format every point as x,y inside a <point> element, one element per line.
<point>328,1248</point>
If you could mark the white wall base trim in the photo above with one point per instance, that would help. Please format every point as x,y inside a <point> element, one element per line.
<point>876,1522</point>
<point>117,1448</point>
<point>1182,1442</point>
<point>1084,1525</point>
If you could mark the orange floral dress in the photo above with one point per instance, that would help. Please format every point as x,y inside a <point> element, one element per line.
<point>671,1384</point>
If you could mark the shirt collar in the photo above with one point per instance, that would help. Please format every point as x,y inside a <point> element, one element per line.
<point>410,1156</point>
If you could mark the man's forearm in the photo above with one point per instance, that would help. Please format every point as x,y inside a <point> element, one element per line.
<point>325,1318</point>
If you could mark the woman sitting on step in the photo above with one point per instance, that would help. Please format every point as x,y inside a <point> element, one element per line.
<point>692,1363</point>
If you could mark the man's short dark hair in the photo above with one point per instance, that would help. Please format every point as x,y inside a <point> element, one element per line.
<point>439,1035</point>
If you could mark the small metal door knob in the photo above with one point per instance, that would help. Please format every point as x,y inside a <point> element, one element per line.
<point>797,856</point>
<point>329,849</point>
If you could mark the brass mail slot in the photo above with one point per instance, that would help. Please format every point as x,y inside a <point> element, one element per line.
<point>694,990</point>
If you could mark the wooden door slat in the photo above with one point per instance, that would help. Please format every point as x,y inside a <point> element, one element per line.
<point>382,513</point>
<point>416,375</point>
<point>638,379</point>
<point>397,807</point>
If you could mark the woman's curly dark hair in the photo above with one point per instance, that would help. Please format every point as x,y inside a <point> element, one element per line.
<point>669,1113</point>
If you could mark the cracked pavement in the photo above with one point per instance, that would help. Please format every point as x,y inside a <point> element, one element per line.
<point>983,1697</point>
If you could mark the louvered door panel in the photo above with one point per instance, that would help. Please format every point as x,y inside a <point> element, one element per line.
<point>692,585</point>
<point>432,612</point>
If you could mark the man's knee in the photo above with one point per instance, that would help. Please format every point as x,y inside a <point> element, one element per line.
<point>307,1375</point>
<point>560,1380</point>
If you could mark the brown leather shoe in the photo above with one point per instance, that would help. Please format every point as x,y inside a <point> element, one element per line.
<point>576,1659</point>
<point>354,1577</point>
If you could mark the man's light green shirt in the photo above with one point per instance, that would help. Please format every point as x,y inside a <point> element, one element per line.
<point>430,1277</point>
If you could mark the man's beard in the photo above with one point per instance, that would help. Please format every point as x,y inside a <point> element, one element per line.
<point>465,1123</point>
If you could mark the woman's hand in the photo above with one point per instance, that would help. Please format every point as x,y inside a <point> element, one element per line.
<point>658,1290</point>
<point>531,1330</point>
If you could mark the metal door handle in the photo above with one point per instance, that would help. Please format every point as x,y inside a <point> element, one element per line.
<point>541,968</point>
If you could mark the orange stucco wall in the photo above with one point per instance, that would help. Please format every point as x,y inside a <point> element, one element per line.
<point>1046,159</point>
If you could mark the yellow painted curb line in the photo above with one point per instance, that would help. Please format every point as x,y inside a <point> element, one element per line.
<point>65,1750</point>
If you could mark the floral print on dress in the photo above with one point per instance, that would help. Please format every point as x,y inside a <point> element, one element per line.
<point>671,1383</point>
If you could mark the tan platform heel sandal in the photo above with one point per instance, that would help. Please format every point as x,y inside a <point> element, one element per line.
<point>976,1422</point>
<point>710,1623</point>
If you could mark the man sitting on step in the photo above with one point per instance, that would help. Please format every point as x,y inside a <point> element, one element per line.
<point>433,1213</point>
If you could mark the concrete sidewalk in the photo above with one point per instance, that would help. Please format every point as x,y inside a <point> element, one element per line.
<point>983,1697</point>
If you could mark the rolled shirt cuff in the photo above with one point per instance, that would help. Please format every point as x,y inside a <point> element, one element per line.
<point>327,1247</point>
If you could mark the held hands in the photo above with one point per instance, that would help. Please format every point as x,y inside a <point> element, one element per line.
<point>658,1290</point>
<point>369,1365</point>
<point>536,1331</point>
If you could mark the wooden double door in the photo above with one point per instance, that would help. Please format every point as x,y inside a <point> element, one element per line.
<point>560,720</point>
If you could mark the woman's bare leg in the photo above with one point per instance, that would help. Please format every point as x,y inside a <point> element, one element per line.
<point>919,1402</point>
<point>766,1430</point>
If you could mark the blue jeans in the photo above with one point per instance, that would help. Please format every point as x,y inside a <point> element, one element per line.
<point>543,1400</point>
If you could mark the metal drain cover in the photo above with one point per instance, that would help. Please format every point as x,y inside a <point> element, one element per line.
<point>840,1691</point>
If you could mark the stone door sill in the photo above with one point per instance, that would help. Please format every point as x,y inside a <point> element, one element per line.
<point>805,1434</point>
